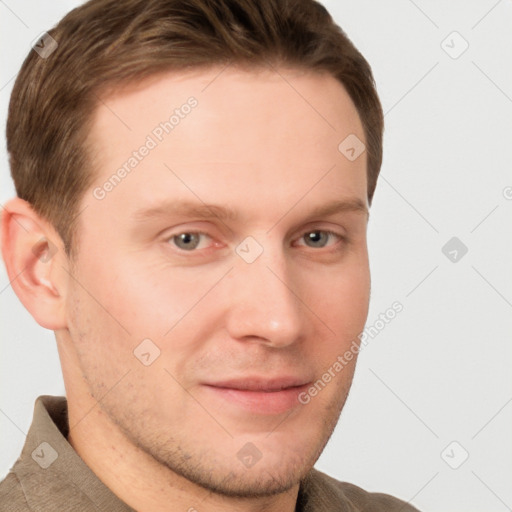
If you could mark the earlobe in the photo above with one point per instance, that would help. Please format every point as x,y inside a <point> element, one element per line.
<point>35,260</point>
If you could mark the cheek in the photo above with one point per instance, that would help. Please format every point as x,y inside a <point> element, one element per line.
<point>101,305</point>
<point>147,299</point>
<point>121,298</point>
<point>340,298</point>
<point>354,298</point>
<point>95,325</point>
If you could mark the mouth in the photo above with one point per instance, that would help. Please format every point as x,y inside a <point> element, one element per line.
<point>257,395</point>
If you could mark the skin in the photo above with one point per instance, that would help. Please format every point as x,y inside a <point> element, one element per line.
<point>155,434</point>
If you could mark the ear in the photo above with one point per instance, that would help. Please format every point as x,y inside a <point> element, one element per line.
<point>36,263</point>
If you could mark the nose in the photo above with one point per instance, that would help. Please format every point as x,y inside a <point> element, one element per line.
<point>265,304</point>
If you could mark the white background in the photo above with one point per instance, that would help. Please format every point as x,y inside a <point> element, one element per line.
<point>440,371</point>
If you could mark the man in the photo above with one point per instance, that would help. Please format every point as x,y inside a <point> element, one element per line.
<point>193,182</point>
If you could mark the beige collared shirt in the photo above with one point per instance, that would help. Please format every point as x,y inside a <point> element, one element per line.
<point>50,476</point>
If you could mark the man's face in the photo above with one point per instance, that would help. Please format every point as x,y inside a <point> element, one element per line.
<point>214,247</point>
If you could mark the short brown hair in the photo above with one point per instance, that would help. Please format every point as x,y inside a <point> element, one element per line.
<point>105,43</point>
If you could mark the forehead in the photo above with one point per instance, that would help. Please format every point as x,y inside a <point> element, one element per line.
<point>223,134</point>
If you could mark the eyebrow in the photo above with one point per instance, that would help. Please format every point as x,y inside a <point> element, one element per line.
<point>346,205</point>
<point>223,213</point>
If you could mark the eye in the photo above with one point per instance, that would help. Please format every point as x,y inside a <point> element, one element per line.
<point>319,238</point>
<point>188,241</point>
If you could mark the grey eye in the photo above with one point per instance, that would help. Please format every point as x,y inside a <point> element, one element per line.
<point>187,241</point>
<point>316,238</point>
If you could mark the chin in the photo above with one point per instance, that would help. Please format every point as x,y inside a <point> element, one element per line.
<point>260,480</point>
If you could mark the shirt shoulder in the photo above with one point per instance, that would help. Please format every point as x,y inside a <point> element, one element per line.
<point>49,475</point>
<point>321,492</point>
<point>12,498</point>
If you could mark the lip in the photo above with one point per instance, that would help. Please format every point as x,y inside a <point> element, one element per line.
<point>260,383</point>
<point>259,395</point>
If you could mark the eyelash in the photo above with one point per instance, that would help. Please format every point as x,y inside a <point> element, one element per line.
<point>341,238</point>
